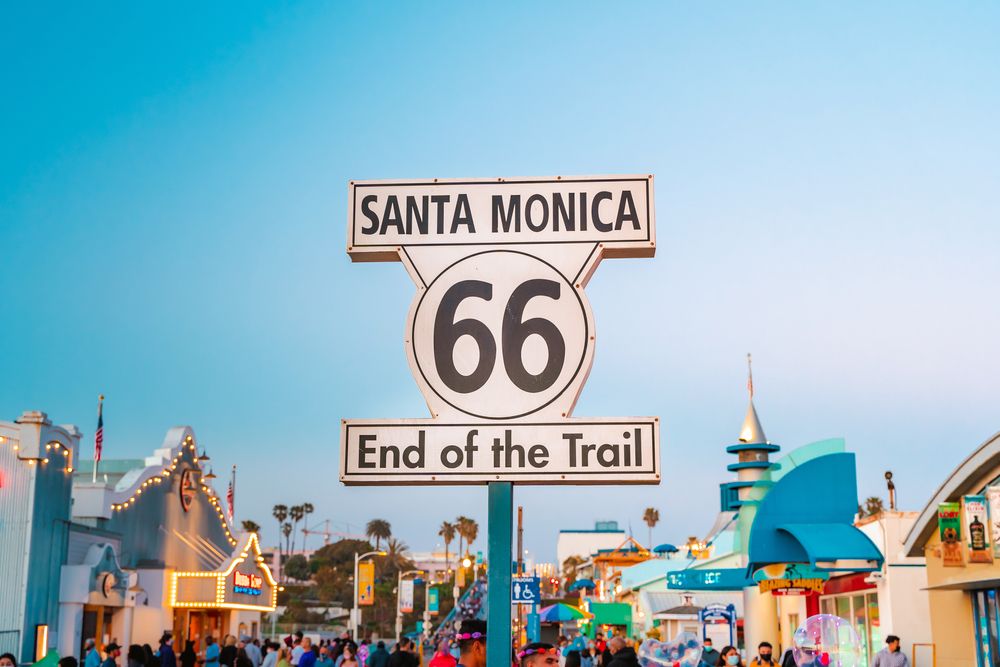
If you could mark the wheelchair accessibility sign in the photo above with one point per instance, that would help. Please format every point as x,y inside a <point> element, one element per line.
<point>526,590</point>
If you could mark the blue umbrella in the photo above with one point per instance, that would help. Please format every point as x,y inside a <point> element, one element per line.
<point>582,583</point>
<point>666,549</point>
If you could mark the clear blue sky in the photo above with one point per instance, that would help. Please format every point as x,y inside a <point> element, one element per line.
<point>172,225</point>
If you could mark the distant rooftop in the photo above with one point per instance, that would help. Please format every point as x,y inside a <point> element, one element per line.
<point>110,466</point>
<point>599,527</point>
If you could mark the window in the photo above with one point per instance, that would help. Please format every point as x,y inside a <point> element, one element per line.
<point>41,641</point>
<point>861,609</point>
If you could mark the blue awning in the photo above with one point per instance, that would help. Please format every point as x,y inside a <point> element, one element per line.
<point>807,517</point>
<point>825,543</point>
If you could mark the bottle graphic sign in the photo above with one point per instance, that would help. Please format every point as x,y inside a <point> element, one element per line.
<point>976,517</point>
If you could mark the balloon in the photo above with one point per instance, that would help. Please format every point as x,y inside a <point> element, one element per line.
<point>825,640</point>
<point>684,650</point>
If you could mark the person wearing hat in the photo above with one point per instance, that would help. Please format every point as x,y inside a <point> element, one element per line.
<point>112,650</point>
<point>471,638</point>
<point>538,654</point>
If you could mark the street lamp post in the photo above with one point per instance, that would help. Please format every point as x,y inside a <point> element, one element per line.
<point>399,600</point>
<point>355,610</point>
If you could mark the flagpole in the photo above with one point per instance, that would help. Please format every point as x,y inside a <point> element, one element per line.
<point>232,516</point>
<point>100,415</point>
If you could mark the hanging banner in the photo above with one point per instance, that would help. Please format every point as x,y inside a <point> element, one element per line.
<point>460,577</point>
<point>977,521</point>
<point>950,531</point>
<point>406,596</point>
<point>993,507</point>
<point>432,600</point>
<point>366,583</point>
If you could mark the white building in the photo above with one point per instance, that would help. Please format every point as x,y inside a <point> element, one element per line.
<point>583,543</point>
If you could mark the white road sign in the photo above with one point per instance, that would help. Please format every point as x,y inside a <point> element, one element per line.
<point>599,451</point>
<point>384,215</point>
<point>500,336</point>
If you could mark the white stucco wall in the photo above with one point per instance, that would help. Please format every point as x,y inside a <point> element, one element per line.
<point>585,542</point>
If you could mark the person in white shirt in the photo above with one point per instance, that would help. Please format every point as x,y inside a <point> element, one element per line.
<point>297,649</point>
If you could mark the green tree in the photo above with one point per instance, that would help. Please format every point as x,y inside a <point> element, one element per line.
<point>378,529</point>
<point>652,517</point>
<point>251,526</point>
<point>873,506</point>
<point>297,567</point>
<point>333,568</point>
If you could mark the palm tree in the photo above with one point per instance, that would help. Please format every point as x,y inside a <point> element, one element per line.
<point>286,530</point>
<point>460,522</point>
<point>396,553</point>
<point>873,505</point>
<point>469,529</point>
<point>652,517</point>
<point>307,509</point>
<point>296,512</point>
<point>447,533</point>
<point>569,568</point>
<point>380,530</point>
<point>251,526</point>
<point>279,512</point>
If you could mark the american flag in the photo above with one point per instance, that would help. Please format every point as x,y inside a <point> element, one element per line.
<point>231,494</point>
<point>99,434</point>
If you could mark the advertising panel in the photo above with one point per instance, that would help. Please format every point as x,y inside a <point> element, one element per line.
<point>977,522</point>
<point>406,596</point>
<point>950,529</point>
<point>366,583</point>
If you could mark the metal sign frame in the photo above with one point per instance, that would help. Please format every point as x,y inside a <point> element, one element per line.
<point>502,263</point>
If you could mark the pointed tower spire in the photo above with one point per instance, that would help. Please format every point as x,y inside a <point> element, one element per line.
<point>752,432</point>
<point>752,452</point>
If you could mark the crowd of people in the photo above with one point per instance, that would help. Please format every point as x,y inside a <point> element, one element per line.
<point>465,647</point>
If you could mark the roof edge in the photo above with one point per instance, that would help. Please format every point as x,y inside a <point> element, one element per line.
<point>954,485</point>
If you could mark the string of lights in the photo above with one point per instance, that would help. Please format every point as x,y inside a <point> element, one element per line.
<point>178,579</point>
<point>166,471</point>
<point>53,447</point>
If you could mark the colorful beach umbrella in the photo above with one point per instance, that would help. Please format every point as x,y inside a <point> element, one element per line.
<point>561,612</point>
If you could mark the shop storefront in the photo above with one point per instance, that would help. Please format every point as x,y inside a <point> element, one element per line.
<point>145,549</point>
<point>227,600</point>
<point>852,598</point>
<point>959,534</point>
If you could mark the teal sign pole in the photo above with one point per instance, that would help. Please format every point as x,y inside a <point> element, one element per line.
<point>501,529</point>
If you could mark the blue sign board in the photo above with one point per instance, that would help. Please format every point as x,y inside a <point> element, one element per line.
<point>525,590</point>
<point>727,579</point>
<point>432,600</point>
<point>717,612</point>
<point>534,629</point>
